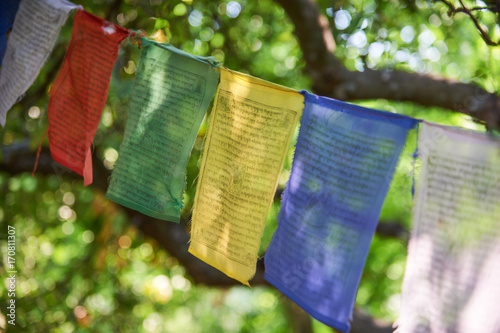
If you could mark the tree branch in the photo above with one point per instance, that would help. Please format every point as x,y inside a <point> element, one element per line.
<point>171,236</point>
<point>332,79</point>
<point>18,158</point>
<point>452,10</point>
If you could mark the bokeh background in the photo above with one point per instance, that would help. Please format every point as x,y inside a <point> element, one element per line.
<point>86,264</point>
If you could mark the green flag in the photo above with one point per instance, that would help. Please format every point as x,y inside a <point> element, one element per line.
<point>171,94</point>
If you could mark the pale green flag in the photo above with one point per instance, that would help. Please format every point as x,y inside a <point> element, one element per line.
<point>171,94</point>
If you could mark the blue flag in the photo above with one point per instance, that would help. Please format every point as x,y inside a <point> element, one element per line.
<point>344,161</point>
<point>8,10</point>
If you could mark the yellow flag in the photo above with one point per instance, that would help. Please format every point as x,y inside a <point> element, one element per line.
<point>251,128</point>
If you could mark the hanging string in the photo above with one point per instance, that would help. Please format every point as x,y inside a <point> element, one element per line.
<point>135,37</point>
<point>38,153</point>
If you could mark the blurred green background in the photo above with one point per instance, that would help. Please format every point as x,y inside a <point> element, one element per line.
<point>84,265</point>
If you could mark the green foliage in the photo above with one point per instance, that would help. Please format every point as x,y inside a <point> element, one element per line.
<point>84,267</point>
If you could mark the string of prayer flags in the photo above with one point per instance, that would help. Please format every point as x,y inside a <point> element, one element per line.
<point>252,124</point>
<point>8,10</point>
<point>79,93</point>
<point>344,161</point>
<point>34,33</point>
<point>452,272</point>
<point>171,94</point>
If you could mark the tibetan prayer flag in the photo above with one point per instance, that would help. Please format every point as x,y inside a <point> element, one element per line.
<point>34,33</point>
<point>171,94</point>
<point>252,124</point>
<point>344,161</point>
<point>452,276</point>
<point>8,10</point>
<point>79,93</point>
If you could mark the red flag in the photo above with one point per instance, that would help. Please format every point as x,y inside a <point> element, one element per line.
<point>79,93</point>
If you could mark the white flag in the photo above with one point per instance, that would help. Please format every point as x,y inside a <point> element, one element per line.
<point>452,274</point>
<point>35,31</point>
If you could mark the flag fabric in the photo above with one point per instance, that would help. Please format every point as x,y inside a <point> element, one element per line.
<point>171,94</point>
<point>251,127</point>
<point>8,10</point>
<point>344,161</point>
<point>33,36</point>
<point>79,92</point>
<point>452,272</point>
